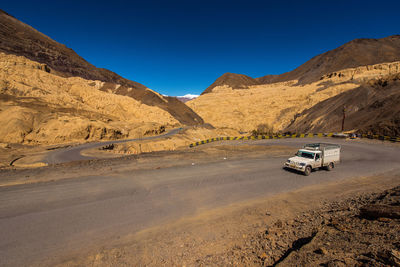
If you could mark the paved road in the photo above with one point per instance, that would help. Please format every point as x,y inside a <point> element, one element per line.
<point>66,216</point>
<point>74,153</point>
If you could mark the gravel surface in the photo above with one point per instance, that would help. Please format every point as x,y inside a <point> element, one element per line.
<point>338,234</point>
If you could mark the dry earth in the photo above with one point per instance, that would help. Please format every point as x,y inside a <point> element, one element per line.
<point>20,39</point>
<point>43,108</point>
<point>66,100</point>
<point>277,104</point>
<point>372,108</point>
<point>180,141</point>
<point>356,53</point>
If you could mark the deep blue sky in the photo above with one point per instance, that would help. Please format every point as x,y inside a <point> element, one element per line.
<point>179,47</point>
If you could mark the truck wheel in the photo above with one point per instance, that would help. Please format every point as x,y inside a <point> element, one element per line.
<point>307,171</point>
<point>330,167</point>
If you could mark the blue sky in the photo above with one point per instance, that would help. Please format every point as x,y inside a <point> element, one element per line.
<point>180,47</point>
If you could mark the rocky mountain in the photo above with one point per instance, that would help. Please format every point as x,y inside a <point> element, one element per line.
<point>359,52</point>
<point>38,107</point>
<point>49,94</point>
<point>373,107</point>
<point>233,80</point>
<point>20,39</point>
<point>277,104</point>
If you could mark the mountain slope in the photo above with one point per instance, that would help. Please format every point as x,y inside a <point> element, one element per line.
<point>359,52</point>
<point>37,107</point>
<point>20,39</point>
<point>277,104</point>
<point>373,107</point>
<point>233,80</point>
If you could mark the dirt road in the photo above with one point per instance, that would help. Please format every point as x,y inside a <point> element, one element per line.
<point>74,153</point>
<point>45,221</point>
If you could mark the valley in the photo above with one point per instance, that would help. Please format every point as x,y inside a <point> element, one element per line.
<point>99,170</point>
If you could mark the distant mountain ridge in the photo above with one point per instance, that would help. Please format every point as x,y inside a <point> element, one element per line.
<point>21,39</point>
<point>236,81</point>
<point>359,52</point>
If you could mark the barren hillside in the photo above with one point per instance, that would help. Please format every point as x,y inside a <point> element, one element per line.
<point>359,52</point>
<point>374,107</point>
<point>20,39</point>
<point>40,107</point>
<point>233,80</point>
<point>277,104</point>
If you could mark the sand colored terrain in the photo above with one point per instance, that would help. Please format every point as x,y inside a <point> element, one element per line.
<point>18,38</point>
<point>42,108</point>
<point>176,142</point>
<point>371,108</point>
<point>277,104</point>
<point>356,53</point>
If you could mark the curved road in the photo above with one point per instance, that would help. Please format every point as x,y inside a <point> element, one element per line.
<point>74,153</point>
<point>67,216</point>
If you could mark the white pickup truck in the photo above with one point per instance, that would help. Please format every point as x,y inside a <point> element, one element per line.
<point>313,156</point>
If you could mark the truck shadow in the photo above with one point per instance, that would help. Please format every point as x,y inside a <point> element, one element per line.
<point>293,171</point>
<point>301,173</point>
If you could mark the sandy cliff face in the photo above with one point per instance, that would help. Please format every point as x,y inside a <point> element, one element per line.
<point>20,39</point>
<point>39,107</point>
<point>277,104</point>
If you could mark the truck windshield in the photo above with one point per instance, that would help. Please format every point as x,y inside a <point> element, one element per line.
<point>305,154</point>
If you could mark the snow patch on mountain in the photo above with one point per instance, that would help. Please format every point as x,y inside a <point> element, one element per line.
<point>190,96</point>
